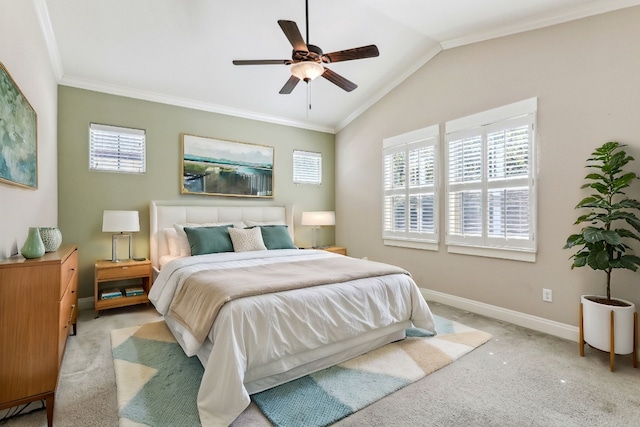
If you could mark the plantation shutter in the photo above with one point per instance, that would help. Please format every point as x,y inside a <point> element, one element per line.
<point>307,167</point>
<point>117,149</point>
<point>508,213</point>
<point>410,201</point>
<point>465,185</point>
<point>490,197</point>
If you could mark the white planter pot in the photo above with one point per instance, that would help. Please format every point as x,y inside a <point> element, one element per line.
<point>596,320</point>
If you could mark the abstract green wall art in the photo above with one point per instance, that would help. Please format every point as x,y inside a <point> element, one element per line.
<point>18,135</point>
<point>213,166</point>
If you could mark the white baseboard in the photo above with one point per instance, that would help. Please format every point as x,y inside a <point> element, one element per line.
<point>536,323</point>
<point>85,303</point>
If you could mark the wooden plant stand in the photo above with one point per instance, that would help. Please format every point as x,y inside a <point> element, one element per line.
<point>612,353</point>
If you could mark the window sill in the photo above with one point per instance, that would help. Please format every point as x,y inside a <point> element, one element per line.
<point>511,254</point>
<point>428,246</point>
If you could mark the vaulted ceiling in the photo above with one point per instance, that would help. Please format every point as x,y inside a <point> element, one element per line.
<point>180,52</point>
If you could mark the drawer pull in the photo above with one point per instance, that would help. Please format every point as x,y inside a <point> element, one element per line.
<point>73,308</point>
<point>124,268</point>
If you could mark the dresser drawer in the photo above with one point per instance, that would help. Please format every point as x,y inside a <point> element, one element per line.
<point>123,271</point>
<point>68,271</point>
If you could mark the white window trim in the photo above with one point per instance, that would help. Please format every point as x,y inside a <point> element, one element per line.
<point>298,178</point>
<point>139,134</point>
<point>483,247</point>
<point>400,143</point>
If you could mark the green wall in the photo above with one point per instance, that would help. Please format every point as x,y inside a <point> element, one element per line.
<point>83,195</point>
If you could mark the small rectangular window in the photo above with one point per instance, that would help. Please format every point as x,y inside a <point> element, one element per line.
<point>307,167</point>
<point>117,149</point>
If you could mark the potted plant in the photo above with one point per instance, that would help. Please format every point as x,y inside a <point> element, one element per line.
<point>609,224</point>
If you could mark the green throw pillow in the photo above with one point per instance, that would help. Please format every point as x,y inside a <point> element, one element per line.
<point>276,237</point>
<point>209,240</point>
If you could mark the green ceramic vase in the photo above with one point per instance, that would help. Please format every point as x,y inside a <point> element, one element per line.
<point>33,246</point>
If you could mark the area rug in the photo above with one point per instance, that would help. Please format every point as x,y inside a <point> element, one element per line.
<point>157,384</point>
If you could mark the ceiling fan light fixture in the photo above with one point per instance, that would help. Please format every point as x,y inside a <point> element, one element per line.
<point>307,70</point>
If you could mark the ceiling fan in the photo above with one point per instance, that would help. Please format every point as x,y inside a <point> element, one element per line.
<point>307,60</point>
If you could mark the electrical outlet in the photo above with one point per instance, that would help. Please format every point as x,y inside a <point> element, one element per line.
<point>547,295</point>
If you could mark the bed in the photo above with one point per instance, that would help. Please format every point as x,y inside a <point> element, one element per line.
<point>264,338</point>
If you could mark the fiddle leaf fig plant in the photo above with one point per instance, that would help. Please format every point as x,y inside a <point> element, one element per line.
<point>611,218</point>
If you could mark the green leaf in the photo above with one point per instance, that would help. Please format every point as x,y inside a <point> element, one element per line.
<point>598,260</point>
<point>585,218</point>
<point>574,239</point>
<point>629,262</point>
<point>580,259</point>
<point>611,237</point>
<point>624,180</point>
<point>633,221</point>
<point>592,234</point>
<point>600,188</point>
<point>632,258</point>
<point>626,204</point>
<point>623,232</point>
<point>595,176</point>
<point>587,200</point>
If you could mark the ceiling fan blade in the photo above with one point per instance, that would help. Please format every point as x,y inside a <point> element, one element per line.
<point>370,51</point>
<point>289,85</point>
<point>261,62</point>
<point>338,80</point>
<point>292,32</point>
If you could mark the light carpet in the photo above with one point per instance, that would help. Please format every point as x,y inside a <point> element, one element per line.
<point>157,384</point>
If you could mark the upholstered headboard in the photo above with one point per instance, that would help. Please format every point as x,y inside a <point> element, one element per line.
<point>165,213</point>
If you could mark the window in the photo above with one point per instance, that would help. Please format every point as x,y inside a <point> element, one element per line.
<point>116,149</point>
<point>307,167</point>
<point>490,199</point>
<point>410,204</point>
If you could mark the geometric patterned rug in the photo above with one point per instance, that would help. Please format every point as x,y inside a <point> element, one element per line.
<point>157,384</point>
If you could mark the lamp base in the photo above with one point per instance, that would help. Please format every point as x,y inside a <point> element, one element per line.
<point>114,246</point>
<point>314,238</point>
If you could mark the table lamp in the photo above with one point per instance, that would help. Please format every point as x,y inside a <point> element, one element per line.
<point>122,224</point>
<point>317,219</point>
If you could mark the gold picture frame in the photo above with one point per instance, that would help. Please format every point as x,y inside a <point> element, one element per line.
<point>18,135</point>
<point>217,167</point>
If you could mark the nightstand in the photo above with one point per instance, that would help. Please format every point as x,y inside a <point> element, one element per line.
<point>108,272</point>
<point>335,249</point>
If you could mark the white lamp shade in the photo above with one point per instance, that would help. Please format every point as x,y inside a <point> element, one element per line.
<point>120,221</point>
<point>307,70</point>
<point>318,218</point>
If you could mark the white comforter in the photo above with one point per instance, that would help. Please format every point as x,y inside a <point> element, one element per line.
<point>255,337</point>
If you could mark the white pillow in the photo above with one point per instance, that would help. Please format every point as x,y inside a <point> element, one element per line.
<point>172,241</point>
<point>248,239</point>
<point>184,248</point>
<point>259,223</point>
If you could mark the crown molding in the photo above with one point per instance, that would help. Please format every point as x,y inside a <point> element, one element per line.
<point>541,21</point>
<point>532,23</point>
<point>49,38</point>
<point>187,103</point>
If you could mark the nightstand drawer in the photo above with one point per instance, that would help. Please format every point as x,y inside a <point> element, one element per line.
<point>336,250</point>
<point>123,272</point>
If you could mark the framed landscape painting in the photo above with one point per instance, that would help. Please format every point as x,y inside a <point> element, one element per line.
<point>225,168</point>
<point>18,139</point>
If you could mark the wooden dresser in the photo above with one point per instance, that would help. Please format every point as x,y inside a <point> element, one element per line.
<point>38,307</point>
